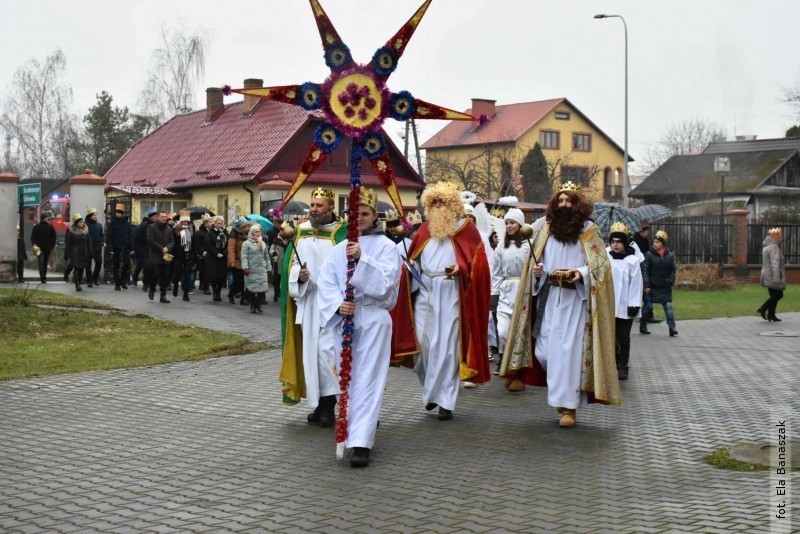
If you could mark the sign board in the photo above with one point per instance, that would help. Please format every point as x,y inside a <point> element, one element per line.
<point>722,165</point>
<point>30,194</point>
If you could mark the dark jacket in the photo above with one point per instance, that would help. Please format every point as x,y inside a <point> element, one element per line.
<point>44,236</point>
<point>158,238</point>
<point>78,248</point>
<point>96,234</point>
<point>140,239</point>
<point>200,240</point>
<point>118,237</point>
<point>179,251</point>
<point>658,274</point>
<point>642,242</point>
<point>216,268</point>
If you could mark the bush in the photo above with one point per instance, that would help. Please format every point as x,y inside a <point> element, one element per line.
<point>702,277</point>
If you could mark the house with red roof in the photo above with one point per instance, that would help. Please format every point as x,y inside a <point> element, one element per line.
<point>233,159</point>
<point>487,158</point>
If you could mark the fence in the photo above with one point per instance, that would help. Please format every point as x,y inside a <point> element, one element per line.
<point>694,239</point>
<point>757,231</point>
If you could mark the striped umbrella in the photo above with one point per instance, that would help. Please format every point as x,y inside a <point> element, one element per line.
<point>653,212</point>
<point>607,213</point>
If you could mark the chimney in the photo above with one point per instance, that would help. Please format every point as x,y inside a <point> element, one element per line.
<point>482,106</point>
<point>251,101</point>
<point>213,102</point>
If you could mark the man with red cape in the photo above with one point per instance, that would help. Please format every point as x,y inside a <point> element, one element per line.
<point>440,323</point>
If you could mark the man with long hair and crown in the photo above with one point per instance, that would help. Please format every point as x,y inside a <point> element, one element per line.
<point>562,328</point>
<point>305,370</point>
<point>440,325</point>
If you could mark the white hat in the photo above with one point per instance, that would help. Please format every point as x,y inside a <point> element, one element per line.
<point>516,215</point>
<point>468,209</point>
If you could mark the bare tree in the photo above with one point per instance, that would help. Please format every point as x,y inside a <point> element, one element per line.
<point>176,67</point>
<point>488,172</point>
<point>39,127</point>
<point>680,138</point>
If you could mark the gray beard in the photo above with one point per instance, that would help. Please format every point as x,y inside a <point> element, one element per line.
<point>320,220</point>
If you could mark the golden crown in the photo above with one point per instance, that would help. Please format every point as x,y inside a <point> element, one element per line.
<point>619,228</point>
<point>415,217</point>
<point>569,185</point>
<point>369,198</point>
<point>392,216</point>
<point>775,232</point>
<point>498,212</point>
<point>661,234</point>
<point>321,192</point>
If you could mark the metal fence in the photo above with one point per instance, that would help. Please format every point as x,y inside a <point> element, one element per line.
<point>757,231</point>
<point>694,239</point>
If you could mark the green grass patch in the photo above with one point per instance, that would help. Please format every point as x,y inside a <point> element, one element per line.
<point>30,295</point>
<point>45,341</point>
<point>721,458</point>
<point>743,300</point>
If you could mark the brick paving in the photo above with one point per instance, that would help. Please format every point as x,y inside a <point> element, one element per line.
<point>208,447</point>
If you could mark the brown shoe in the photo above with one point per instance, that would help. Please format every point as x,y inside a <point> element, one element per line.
<point>567,418</point>
<point>516,385</point>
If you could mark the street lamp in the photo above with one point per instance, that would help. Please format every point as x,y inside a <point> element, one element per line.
<point>627,181</point>
<point>722,166</point>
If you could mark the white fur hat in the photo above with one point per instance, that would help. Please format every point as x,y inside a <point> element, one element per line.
<point>516,215</point>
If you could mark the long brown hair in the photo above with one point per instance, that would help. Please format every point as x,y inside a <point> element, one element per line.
<point>567,228</point>
<point>516,237</point>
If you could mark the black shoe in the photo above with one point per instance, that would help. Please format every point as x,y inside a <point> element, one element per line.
<point>327,411</point>
<point>117,288</point>
<point>445,414</point>
<point>144,287</point>
<point>673,332</point>
<point>185,297</point>
<point>164,299</point>
<point>151,294</point>
<point>771,318</point>
<point>359,457</point>
<point>135,283</point>
<point>44,281</point>
<point>313,417</point>
<point>622,373</point>
<point>125,287</point>
<point>66,278</point>
<point>206,292</point>
<point>275,298</point>
<point>231,298</point>
<point>78,288</point>
<point>253,309</point>
<point>763,313</point>
<point>643,330</point>
<point>175,291</point>
<point>430,406</point>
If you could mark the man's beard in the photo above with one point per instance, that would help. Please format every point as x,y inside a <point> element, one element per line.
<point>442,222</point>
<point>320,220</point>
<point>566,224</point>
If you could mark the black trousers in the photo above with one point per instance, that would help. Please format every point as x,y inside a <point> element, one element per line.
<point>772,302</point>
<point>44,259</point>
<point>122,266</point>
<point>78,276</point>
<point>238,283</point>
<point>96,258</point>
<point>20,270</point>
<point>159,273</point>
<point>623,327</point>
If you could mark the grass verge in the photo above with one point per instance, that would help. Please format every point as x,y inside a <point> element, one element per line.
<point>31,295</point>
<point>44,341</point>
<point>738,302</point>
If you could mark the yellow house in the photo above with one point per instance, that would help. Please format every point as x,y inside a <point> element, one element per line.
<point>221,159</point>
<point>487,159</point>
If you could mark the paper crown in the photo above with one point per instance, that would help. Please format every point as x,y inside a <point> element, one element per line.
<point>619,228</point>
<point>76,217</point>
<point>369,198</point>
<point>415,217</point>
<point>392,218</point>
<point>569,185</point>
<point>321,192</point>
<point>775,232</point>
<point>662,235</point>
<point>498,212</point>
<point>186,216</point>
<point>91,211</point>
<point>120,207</point>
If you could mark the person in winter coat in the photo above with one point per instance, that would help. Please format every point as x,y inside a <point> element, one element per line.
<point>773,273</point>
<point>659,276</point>
<point>276,251</point>
<point>118,241</point>
<point>98,239</point>
<point>140,250</point>
<point>184,256</point>
<point>236,239</point>
<point>216,253</point>
<point>627,275</point>
<point>255,262</point>
<point>200,237</point>
<point>78,250</point>
<point>159,242</point>
<point>44,236</point>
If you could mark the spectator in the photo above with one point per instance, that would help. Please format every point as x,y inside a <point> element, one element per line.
<point>216,250</point>
<point>201,236</point>
<point>236,239</point>
<point>773,273</point>
<point>255,264</point>
<point>78,249</point>
<point>43,236</point>
<point>140,249</point>
<point>119,242</point>
<point>98,238</point>
<point>659,276</point>
<point>276,253</point>
<point>159,259</point>
<point>184,255</point>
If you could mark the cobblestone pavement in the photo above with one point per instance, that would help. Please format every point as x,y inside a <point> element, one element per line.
<point>207,446</point>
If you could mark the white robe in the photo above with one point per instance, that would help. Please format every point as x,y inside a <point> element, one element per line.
<point>506,271</point>
<point>559,347</point>
<point>376,282</point>
<point>436,322</point>
<point>627,284</point>
<point>313,252</point>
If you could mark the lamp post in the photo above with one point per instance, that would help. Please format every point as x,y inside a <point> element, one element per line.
<point>722,166</point>
<point>626,180</point>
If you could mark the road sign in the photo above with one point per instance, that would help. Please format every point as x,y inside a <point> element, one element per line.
<point>30,194</point>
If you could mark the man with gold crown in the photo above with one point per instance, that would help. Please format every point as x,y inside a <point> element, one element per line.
<point>444,319</point>
<point>375,283</point>
<point>303,372</point>
<point>562,329</point>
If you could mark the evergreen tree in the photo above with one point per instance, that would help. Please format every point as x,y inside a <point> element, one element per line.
<point>794,131</point>
<point>109,132</point>
<point>535,176</point>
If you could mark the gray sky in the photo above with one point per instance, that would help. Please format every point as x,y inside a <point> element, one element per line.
<point>724,60</point>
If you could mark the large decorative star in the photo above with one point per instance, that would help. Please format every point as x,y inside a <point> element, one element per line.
<point>355,102</point>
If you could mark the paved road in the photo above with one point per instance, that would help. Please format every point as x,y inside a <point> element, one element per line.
<point>207,446</point>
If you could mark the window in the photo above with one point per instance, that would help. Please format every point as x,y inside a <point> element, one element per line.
<point>562,116</point>
<point>550,139</point>
<point>582,142</point>
<point>343,202</point>
<point>166,206</point>
<point>579,175</point>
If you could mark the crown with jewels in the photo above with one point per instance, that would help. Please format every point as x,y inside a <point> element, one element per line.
<point>415,217</point>
<point>775,232</point>
<point>498,212</point>
<point>369,198</point>
<point>569,185</point>
<point>662,235</point>
<point>321,192</point>
<point>619,228</point>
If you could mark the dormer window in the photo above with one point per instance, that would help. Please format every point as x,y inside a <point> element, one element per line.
<point>562,115</point>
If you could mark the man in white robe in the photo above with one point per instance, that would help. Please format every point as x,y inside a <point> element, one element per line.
<point>628,287</point>
<point>375,283</point>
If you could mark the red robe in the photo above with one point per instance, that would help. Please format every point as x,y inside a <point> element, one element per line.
<point>474,289</point>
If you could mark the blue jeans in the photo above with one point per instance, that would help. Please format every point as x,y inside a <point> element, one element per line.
<point>668,311</point>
